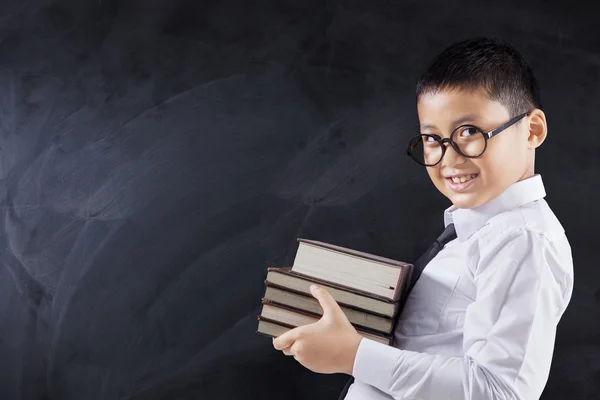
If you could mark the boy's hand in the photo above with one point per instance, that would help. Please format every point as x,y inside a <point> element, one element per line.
<point>327,346</point>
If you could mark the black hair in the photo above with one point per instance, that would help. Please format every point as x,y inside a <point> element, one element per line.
<point>487,63</point>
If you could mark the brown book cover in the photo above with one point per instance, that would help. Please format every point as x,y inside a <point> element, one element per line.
<point>306,312</point>
<point>267,283</point>
<point>403,277</point>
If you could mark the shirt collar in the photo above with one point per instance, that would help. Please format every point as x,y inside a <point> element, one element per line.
<point>467,221</point>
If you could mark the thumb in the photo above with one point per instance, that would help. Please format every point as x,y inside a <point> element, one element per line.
<point>328,304</point>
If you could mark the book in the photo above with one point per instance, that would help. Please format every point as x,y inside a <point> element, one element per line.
<point>380,276</point>
<point>288,318</point>
<point>369,289</point>
<point>286,278</point>
<point>272,329</point>
<point>310,304</point>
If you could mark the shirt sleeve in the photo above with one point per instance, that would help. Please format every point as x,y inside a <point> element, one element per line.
<point>509,332</point>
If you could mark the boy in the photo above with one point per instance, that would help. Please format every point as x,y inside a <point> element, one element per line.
<point>480,322</point>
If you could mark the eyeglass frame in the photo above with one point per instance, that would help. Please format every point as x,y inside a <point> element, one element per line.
<point>486,137</point>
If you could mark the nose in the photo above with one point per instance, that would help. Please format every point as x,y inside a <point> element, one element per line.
<point>452,157</point>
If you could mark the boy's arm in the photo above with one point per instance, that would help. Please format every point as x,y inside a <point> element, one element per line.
<point>509,331</point>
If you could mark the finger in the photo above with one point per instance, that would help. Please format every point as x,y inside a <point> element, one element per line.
<point>328,304</point>
<point>286,339</point>
<point>288,351</point>
<point>296,347</point>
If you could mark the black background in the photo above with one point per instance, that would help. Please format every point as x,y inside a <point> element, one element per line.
<point>156,156</point>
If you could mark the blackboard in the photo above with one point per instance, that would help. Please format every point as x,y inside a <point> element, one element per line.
<point>156,157</point>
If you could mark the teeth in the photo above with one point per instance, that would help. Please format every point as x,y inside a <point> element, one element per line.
<point>463,178</point>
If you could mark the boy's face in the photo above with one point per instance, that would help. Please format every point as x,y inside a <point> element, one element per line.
<point>507,159</point>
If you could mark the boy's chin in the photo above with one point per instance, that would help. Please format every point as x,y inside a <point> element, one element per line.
<point>467,200</point>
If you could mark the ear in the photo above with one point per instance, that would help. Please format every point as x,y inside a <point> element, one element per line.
<point>537,129</point>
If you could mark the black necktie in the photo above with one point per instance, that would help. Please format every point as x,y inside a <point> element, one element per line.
<point>419,265</point>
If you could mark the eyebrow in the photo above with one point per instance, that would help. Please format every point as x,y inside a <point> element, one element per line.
<point>455,123</point>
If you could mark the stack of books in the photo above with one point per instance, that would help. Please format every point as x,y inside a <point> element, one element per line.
<point>369,289</point>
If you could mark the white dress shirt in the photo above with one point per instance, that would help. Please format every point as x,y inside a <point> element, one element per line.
<point>480,323</point>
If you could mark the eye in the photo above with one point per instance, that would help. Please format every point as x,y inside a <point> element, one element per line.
<point>430,137</point>
<point>468,131</point>
<point>430,140</point>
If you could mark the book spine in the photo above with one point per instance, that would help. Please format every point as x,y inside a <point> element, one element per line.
<point>404,279</point>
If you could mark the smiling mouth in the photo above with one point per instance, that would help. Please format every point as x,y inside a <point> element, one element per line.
<point>462,178</point>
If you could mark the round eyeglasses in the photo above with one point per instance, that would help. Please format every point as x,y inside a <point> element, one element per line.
<point>467,140</point>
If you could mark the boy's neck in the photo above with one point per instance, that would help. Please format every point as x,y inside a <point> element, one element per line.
<point>529,172</point>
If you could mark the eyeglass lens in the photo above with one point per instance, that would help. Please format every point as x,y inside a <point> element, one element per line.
<point>427,149</point>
